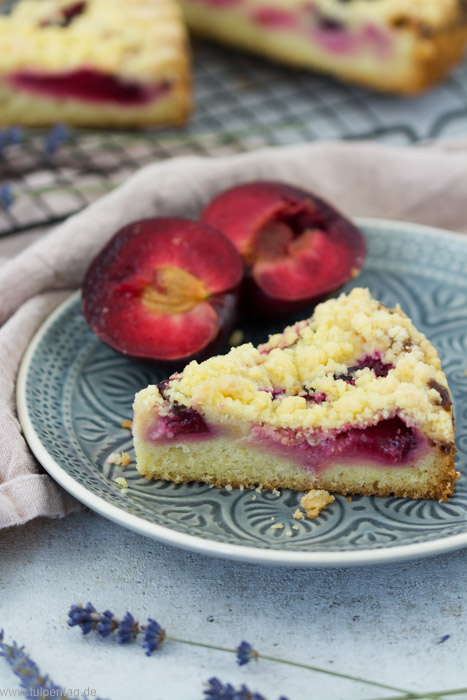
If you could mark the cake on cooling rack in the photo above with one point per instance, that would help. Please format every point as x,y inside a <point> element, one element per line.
<point>395,45</point>
<point>352,400</point>
<point>94,63</point>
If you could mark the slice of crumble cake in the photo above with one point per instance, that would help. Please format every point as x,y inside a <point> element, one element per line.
<point>395,45</point>
<point>94,63</point>
<point>352,400</point>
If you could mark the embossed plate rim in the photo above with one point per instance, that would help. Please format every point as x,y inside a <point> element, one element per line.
<point>213,547</point>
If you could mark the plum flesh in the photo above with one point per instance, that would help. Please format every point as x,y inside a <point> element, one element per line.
<point>163,289</point>
<point>295,246</point>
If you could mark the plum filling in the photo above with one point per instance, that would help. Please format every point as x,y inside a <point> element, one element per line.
<point>309,395</point>
<point>181,421</point>
<point>373,362</point>
<point>89,85</point>
<point>66,16</point>
<point>388,443</point>
<point>329,33</point>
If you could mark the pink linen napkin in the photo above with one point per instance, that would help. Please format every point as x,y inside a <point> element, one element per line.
<point>421,184</point>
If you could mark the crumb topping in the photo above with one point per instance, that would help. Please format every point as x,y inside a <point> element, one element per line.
<point>315,501</point>
<point>140,39</point>
<point>272,384</point>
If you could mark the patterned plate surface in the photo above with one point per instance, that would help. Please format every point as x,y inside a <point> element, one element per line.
<point>73,393</point>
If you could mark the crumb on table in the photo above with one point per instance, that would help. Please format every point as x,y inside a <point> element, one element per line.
<point>121,481</point>
<point>315,501</point>
<point>128,424</point>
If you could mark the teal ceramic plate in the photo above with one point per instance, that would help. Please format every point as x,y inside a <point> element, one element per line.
<point>74,392</point>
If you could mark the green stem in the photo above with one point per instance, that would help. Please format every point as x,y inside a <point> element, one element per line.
<point>405,694</point>
<point>431,694</point>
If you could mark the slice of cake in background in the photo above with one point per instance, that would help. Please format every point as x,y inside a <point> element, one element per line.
<point>94,63</point>
<point>395,45</point>
<point>353,400</point>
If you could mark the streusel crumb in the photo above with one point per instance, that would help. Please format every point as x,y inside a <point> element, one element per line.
<point>315,501</point>
<point>120,459</point>
<point>299,515</point>
<point>262,385</point>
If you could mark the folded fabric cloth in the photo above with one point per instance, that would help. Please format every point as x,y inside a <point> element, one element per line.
<point>420,184</point>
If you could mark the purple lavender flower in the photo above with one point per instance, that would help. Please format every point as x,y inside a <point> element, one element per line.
<point>14,136</point>
<point>57,136</point>
<point>85,617</point>
<point>10,137</point>
<point>154,635</point>
<point>31,680</point>
<point>107,624</point>
<point>6,196</point>
<point>245,653</point>
<point>216,690</point>
<point>127,629</point>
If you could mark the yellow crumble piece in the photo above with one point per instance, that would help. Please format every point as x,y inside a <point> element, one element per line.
<point>121,481</point>
<point>236,338</point>
<point>128,424</point>
<point>315,501</point>
<point>120,459</point>
<point>299,515</point>
<point>277,526</point>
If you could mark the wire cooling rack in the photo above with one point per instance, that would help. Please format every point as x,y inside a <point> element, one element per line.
<point>242,103</point>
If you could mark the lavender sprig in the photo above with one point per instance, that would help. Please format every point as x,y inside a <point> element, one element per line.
<point>55,139</point>
<point>6,196</point>
<point>10,137</point>
<point>31,679</point>
<point>106,623</point>
<point>246,653</point>
<point>127,629</point>
<point>216,690</point>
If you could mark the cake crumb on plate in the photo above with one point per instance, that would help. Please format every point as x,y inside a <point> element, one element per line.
<point>120,459</point>
<point>299,515</point>
<point>315,501</point>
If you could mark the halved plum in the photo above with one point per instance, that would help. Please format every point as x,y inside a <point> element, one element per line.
<point>296,247</point>
<point>163,289</point>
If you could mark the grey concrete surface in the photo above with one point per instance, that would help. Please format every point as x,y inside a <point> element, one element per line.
<point>383,622</point>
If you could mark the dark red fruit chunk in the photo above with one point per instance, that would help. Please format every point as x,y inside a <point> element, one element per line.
<point>183,421</point>
<point>296,248</point>
<point>89,85</point>
<point>390,440</point>
<point>445,397</point>
<point>66,15</point>
<point>373,362</point>
<point>314,398</point>
<point>163,289</point>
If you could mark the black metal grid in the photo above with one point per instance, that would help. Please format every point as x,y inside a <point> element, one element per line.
<point>242,103</point>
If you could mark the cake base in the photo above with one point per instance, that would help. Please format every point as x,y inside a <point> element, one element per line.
<point>33,110</point>
<point>222,462</point>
